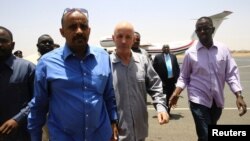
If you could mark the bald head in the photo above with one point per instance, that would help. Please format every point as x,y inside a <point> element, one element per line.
<point>124,26</point>
<point>124,36</point>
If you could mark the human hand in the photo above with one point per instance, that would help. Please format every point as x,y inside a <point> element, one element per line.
<point>242,107</point>
<point>173,100</point>
<point>8,126</point>
<point>115,132</point>
<point>163,117</point>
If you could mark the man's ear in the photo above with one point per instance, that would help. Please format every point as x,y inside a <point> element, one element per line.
<point>213,30</point>
<point>89,30</point>
<point>62,32</point>
<point>12,45</point>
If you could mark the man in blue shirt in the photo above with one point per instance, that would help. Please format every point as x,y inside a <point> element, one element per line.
<point>16,90</point>
<point>74,85</point>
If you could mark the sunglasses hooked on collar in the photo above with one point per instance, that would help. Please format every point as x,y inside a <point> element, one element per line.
<point>82,10</point>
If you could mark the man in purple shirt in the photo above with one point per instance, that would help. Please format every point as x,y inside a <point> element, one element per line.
<point>206,67</point>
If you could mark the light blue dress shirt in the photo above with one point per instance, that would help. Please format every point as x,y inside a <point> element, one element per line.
<point>77,94</point>
<point>169,65</point>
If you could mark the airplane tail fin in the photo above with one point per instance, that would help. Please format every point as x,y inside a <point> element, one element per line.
<point>217,20</point>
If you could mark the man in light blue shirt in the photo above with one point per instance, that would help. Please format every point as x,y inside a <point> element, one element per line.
<point>167,67</point>
<point>74,85</point>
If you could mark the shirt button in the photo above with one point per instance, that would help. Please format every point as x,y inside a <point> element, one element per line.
<point>87,115</point>
<point>86,128</point>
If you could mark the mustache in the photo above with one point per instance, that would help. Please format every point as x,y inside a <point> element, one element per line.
<point>79,37</point>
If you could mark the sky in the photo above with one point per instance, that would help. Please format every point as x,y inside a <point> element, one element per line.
<point>158,21</point>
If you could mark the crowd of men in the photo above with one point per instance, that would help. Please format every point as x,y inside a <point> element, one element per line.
<point>81,92</point>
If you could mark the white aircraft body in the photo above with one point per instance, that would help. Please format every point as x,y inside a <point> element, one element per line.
<point>176,47</point>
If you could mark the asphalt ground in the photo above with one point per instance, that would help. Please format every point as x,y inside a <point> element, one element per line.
<point>181,126</point>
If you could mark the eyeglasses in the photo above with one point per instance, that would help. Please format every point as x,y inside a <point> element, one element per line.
<point>205,29</point>
<point>82,10</point>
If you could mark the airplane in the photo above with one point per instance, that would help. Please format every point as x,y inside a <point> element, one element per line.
<point>178,47</point>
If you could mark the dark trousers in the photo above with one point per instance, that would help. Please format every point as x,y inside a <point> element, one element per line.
<point>204,116</point>
<point>168,89</point>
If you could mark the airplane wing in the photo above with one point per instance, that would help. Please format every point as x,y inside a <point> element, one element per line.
<point>175,47</point>
<point>217,20</point>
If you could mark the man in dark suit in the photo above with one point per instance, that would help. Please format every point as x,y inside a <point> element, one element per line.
<point>167,67</point>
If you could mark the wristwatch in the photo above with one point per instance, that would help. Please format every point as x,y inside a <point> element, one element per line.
<point>239,95</point>
<point>114,121</point>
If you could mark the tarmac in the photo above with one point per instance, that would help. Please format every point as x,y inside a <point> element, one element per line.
<point>181,126</point>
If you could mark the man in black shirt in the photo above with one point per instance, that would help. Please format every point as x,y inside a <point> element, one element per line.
<point>16,90</point>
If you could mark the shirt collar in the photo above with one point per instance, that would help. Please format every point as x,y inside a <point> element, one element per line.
<point>9,61</point>
<point>116,59</point>
<point>135,56</point>
<point>199,45</point>
<point>166,54</point>
<point>67,52</point>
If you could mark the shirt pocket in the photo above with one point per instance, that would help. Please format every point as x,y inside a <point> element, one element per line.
<point>141,82</point>
<point>98,83</point>
<point>221,65</point>
<point>140,76</point>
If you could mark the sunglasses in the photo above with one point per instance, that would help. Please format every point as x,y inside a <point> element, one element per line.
<point>82,10</point>
<point>205,29</point>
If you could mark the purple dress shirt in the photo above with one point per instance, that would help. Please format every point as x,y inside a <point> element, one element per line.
<point>205,71</point>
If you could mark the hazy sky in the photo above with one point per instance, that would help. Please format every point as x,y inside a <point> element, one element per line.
<point>158,21</point>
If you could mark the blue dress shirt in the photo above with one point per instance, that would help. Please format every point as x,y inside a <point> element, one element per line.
<point>169,65</point>
<point>77,94</point>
